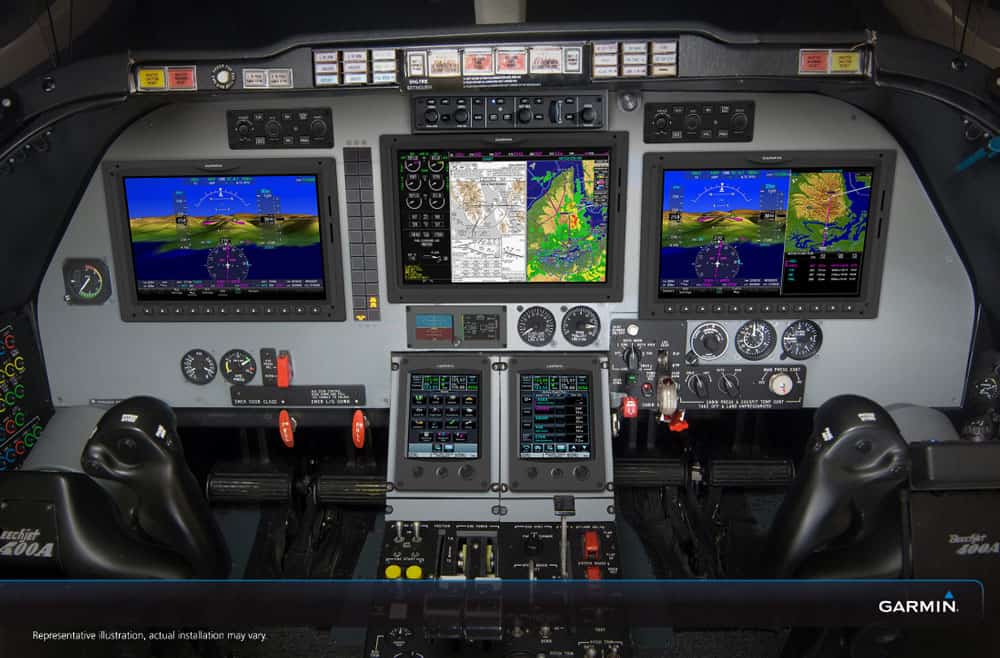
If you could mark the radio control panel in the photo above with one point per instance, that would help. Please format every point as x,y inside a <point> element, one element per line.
<point>464,113</point>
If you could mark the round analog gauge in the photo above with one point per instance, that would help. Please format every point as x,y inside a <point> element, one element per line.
<point>227,263</point>
<point>238,367</point>
<point>581,326</point>
<point>435,164</point>
<point>709,340</point>
<point>755,339</point>
<point>536,326</point>
<point>414,202</point>
<point>199,367</point>
<point>86,281</point>
<point>802,339</point>
<point>717,261</point>
<point>437,202</point>
<point>412,163</point>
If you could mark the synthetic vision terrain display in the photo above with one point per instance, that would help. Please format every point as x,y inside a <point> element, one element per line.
<point>733,228</point>
<point>225,231</point>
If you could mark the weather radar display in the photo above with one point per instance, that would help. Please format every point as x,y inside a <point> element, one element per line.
<point>505,217</point>
<point>763,232</point>
<point>225,236</point>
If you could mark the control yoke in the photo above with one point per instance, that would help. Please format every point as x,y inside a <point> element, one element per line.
<point>854,461</point>
<point>136,444</point>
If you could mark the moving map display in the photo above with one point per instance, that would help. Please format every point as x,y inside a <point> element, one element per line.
<point>537,216</point>
<point>763,232</point>
<point>225,236</point>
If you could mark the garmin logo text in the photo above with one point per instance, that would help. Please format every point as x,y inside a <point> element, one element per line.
<point>946,606</point>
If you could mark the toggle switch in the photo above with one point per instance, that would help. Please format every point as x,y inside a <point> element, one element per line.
<point>591,545</point>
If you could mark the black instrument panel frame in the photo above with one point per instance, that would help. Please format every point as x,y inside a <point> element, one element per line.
<point>477,293</point>
<point>332,307</point>
<point>863,305</point>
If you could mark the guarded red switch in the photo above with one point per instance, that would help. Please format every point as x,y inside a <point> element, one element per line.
<point>594,573</point>
<point>284,364</point>
<point>630,407</point>
<point>591,545</point>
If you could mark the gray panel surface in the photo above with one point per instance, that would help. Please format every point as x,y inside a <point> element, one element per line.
<point>916,351</point>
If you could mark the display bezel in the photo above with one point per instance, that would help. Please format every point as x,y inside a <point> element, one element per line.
<point>610,290</point>
<point>329,308</point>
<point>863,305</point>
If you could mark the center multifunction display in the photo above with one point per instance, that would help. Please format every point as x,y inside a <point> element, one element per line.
<point>218,241</point>
<point>777,230</point>
<point>555,416</point>
<point>500,218</point>
<point>444,416</point>
<point>504,216</point>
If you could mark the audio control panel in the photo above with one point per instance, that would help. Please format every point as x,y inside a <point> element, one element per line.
<point>310,127</point>
<point>706,121</point>
<point>490,112</point>
<point>657,363</point>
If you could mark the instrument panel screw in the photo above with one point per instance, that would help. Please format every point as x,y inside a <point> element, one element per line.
<point>6,103</point>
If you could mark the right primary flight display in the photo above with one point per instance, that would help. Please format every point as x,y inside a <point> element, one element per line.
<point>763,232</point>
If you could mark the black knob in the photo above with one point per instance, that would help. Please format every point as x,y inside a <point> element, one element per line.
<point>431,116</point>
<point>697,386</point>
<point>588,115</point>
<point>524,115</point>
<point>692,122</point>
<point>730,385</point>
<point>712,342</point>
<point>243,128</point>
<point>317,128</point>
<point>632,357</point>
<point>739,122</point>
<point>465,471</point>
<point>660,122</point>
<point>272,128</point>
<point>461,116</point>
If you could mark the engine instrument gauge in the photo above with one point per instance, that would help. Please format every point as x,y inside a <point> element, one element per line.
<point>536,326</point>
<point>709,340</point>
<point>87,281</point>
<point>199,367</point>
<point>238,367</point>
<point>802,340</point>
<point>755,339</point>
<point>581,326</point>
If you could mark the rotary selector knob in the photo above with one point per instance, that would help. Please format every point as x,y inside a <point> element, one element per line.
<point>317,128</point>
<point>461,115</point>
<point>272,128</point>
<point>781,384</point>
<point>698,385</point>
<point>660,122</point>
<point>431,116</point>
<point>243,128</point>
<point>692,122</point>
<point>729,384</point>
<point>524,115</point>
<point>739,122</point>
<point>588,115</point>
<point>632,356</point>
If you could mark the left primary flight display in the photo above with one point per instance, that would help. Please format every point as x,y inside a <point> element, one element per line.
<point>211,236</point>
